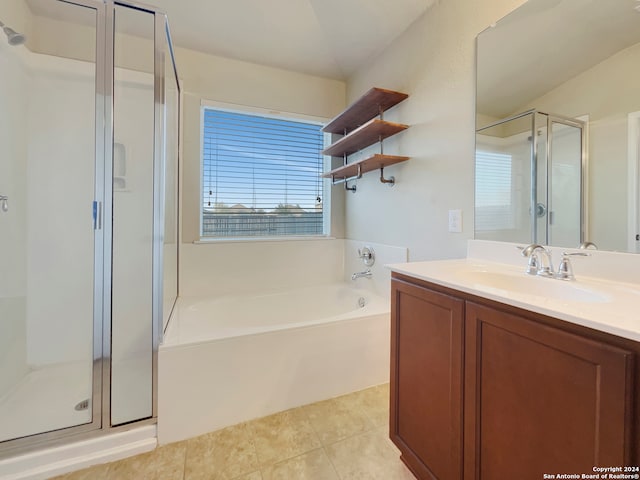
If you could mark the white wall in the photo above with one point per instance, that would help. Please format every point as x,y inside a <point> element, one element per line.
<point>249,267</point>
<point>434,62</point>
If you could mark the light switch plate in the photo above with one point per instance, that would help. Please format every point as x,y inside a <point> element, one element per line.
<point>455,221</point>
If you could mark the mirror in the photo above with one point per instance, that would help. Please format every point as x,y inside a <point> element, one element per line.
<point>555,65</point>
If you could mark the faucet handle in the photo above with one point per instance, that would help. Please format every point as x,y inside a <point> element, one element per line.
<point>565,269</point>
<point>367,255</point>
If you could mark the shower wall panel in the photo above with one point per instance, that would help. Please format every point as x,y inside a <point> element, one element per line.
<point>13,179</point>
<point>60,233</point>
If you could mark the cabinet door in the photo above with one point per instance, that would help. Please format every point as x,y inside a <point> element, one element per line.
<point>540,400</point>
<point>426,380</point>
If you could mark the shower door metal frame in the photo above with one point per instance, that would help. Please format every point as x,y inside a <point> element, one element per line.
<point>102,244</point>
<point>584,133</point>
<point>100,423</point>
<point>161,32</point>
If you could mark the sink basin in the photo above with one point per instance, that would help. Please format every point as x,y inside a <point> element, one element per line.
<point>533,285</point>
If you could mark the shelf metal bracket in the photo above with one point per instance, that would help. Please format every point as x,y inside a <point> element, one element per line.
<point>347,179</point>
<point>391,181</point>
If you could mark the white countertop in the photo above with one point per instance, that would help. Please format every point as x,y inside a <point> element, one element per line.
<point>598,303</point>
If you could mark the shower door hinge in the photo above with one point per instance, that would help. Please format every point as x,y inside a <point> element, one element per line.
<point>97,215</point>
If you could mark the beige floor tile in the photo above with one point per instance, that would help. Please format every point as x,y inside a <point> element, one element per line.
<point>286,445</point>
<point>97,472</point>
<point>222,455</point>
<point>282,436</point>
<point>337,419</point>
<point>314,465</point>
<point>369,456</point>
<point>373,402</point>
<point>251,476</point>
<point>163,463</point>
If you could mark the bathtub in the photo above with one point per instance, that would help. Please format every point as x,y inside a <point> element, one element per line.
<point>235,358</point>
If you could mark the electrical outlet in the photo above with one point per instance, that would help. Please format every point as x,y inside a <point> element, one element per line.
<point>455,221</point>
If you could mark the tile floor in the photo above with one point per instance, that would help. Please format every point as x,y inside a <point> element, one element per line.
<point>342,438</point>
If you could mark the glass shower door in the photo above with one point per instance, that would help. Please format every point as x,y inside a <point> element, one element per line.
<point>50,241</point>
<point>565,182</point>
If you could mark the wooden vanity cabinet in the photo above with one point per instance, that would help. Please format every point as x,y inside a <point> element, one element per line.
<point>541,400</point>
<point>426,380</point>
<point>485,391</point>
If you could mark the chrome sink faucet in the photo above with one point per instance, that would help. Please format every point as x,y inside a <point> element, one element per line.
<point>539,260</point>
<point>366,274</point>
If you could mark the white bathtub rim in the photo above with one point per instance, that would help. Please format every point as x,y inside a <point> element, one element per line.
<point>274,330</point>
<point>185,331</point>
<point>275,291</point>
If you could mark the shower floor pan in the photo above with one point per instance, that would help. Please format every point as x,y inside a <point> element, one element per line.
<point>45,399</point>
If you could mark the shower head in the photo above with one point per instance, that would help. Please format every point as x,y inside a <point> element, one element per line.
<point>14,38</point>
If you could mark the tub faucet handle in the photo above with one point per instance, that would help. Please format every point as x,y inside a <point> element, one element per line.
<point>367,255</point>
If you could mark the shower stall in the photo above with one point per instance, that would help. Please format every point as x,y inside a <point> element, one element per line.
<point>89,110</point>
<point>531,180</point>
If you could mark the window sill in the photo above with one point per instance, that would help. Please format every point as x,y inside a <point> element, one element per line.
<point>210,240</point>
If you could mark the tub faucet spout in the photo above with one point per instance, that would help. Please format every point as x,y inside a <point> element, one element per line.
<point>367,274</point>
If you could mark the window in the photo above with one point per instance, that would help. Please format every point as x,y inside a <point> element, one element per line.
<point>260,175</point>
<point>494,206</point>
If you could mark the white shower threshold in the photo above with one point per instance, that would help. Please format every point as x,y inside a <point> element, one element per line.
<point>54,461</point>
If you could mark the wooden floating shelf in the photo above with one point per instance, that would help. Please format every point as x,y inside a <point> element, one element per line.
<point>371,132</point>
<point>370,105</point>
<point>374,162</point>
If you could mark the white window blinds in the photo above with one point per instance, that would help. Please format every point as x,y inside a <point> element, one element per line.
<point>260,176</point>
<point>494,206</point>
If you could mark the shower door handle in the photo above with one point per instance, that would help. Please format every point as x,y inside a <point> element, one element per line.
<point>4,203</point>
<point>97,215</point>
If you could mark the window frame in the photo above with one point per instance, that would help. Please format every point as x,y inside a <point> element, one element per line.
<point>270,113</point>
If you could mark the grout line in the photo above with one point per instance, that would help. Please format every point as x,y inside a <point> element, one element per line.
<point>184,462</point>
<point>332,464</point>
<point>253,445</point>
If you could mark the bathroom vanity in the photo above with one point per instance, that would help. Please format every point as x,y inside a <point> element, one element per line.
<point>484,387</point>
